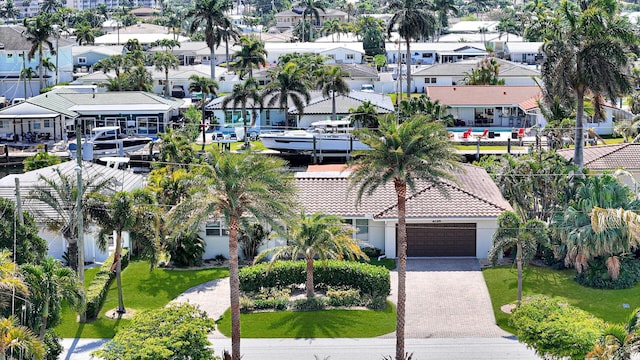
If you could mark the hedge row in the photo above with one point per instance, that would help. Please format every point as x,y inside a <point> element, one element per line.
<point>369,279</point>
<point>97,290</point>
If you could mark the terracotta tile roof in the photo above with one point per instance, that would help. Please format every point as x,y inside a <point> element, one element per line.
<point>474,195</point>
<point>472,95</point>
<point>529,104</point>
<point>608,157</point>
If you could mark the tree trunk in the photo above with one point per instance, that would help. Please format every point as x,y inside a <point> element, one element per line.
<point>309,284</point>
<point>166,82</point>
<point>401,191</point>
<point>234,281</point>
<point>43,319</point>
<point>40,71</point>
<point>334,115</point>
<point>73,251</point>
<point>226,54</point>
<point>118,262</point>
<point>212,63</point>
<point>408,61</point>
<point>303,26</point>
<point>578,158</point>
<point>519,264</point>
<point>204,138</point>
<point>244,124</point>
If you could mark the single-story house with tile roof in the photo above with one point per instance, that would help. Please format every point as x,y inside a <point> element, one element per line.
<point>457,222</point>
<point>600,159</point>
<point>122,180</point>
<point>423,53</point>
<point>449,74</point>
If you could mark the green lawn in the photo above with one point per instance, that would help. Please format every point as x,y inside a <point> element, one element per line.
<point>255,145</point>
<point>314,324</point>
<point>142,289</point>
<point>502,282</point>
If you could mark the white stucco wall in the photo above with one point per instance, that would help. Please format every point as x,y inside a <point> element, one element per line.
<point>58,245</point>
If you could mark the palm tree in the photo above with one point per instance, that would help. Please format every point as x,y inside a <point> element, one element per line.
<point>20,338</point>
<point>27,74</point>
<point>311,8</point>
<point>365,115</point>
<point>38,32</point>
<point>610,218</point>
<point>402,154</point>
<point>242,94</point>
<point>251,54</point>
<point>332,27</point>
<point>85,34</point>
<point>48,65</point>
<point>287,83</point>
<point>165,61</point>
<point>50,6</point>
<point>227,32</point>
<point>51,284</point>
<point>117,63</point>
<point>525,237</point>
<point>59,192</point>
<point>237,187</point>
<point>205,86</point>
<point>443,8</point>
<point>332,82</point>
<point>208,14</point>
<point>10,11</point>
<point>10,277</point>
<point>573,69</point>
<point>317,236</point>
<point>413,20</point>
<point>140,79</point>
<point>618,341</point>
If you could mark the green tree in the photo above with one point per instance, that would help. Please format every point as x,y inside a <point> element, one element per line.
<point>241,95</point>
<point>139,79</point>
<point>618,341</point>
<point>166,44</point>
<point>413,20</point>
<point>59,192</point>
<point>18,338</point>
<point>118,63</point>
<point>205,86</point>
<point>574,67</point>
<point>423,106</point>
<point>524,236</point>
<point>311,8</point>
<point>31,248</point>
<point>165,61</point>
<point>205,16</point>
<point>237,187</point>
<point>9,10</point>
<point>177,331</point>
<point>27,74</point>
<point>41,160</point>
<point>319,236</point>
<point>287,84</point>
<point>39,31</point>
<point>443,9</point>
<point>48,65</point>
<point>331,27</point>
<point>227,32</point>
<point>365,115</point>
<point>252,54</point>
<point>486,73</point>
<point>402,154</point>
<point>331,82</point>
<point>50,284</point>
<point>10,277</point>
<point>85,35</point>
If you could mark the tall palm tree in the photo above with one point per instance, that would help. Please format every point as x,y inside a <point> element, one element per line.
<point>50,6</point>
<point>140,79</point>
<point>205,16</point>
<point>51,284</point>
<point>85,34</point>
<point>241,95</point>
<point>165,61</point>
<point>332,82</point>
<point>117,63</point>
<point>48,65</point>
<point>318,236</point>
<point>287,83</point>
<point>402,154</point>
<point>365,115</point>
<point>227,31</point>
<point>252,54</point>
<point>525,237</point>
<point>311,8</point>
<point>237,187</point>
<point>59,192</point>
<point>574,67</point>
<point>27,74</point>
<point>332,27</point>
<point>205,86</point>
<point>413,20</point>
<point>38,31</point>
<point>19,338</point>
<point>10,11</point>
<point>443,9</point>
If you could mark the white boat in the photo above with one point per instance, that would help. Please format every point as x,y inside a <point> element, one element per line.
<point>327,137</point>
<point>108,140</point>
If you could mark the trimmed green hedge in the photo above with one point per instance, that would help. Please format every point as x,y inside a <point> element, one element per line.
<point>369,279</point>
<point>97,290</point>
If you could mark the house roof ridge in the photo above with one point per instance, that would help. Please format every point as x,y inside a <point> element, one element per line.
<point>614,149</point>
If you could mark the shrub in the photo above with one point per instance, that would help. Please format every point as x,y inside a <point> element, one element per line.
<point>267,298</point>
<point>596,275</point>
<point>310,304</point>
<point>372,252</point>
<point>554,329</point>
<point>97,290</point>
<point>344,297</point>
<point>251,240</point>
<point>375,303</point>
<point>368,279</point>
<point>186,250</point>
<point>52,345</point>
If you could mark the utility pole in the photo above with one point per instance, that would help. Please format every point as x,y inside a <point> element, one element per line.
<point>24,77</point>
<point>82,314</point>
<point>15,236</point>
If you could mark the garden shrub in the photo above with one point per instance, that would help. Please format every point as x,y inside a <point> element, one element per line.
<point>372,252</point>
<point>344,297</point>
<point>596,275</point>
<point>374,303</point>
<point>554,329</point>
<point>310,304</point>
<point>266,298</point>
<point>97,290</point>
<point>186,250</point>
<point>368,279</point>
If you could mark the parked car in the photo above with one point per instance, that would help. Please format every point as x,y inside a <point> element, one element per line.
<point>177,91</point>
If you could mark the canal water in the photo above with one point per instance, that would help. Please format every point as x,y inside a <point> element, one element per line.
<point>10,169</point>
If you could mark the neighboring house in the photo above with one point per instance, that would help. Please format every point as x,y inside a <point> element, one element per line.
<point>337,52</point>
<point>449,74</point>
<point>14,49</point>
<point>524,52</point>
<point>609,158</point>
<point>84,57</point>
<point>486,38</point>
<point>197,52</point>
<point>57,111</point>
<point>434,52</point>
<point>470,27</point>
<point>360,74</point>
<point>122,180</point>
<point>289,18</point>
<point>458,220</point>
<point>143,32</point>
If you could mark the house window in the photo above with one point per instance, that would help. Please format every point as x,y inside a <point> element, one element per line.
<point>433,80</point>
<point>2,124</point>
<point>147,125</point>
<point>216,228</point>
<point>9,57</point>
<point>350,57</point>
<point>427,55</point>
<point>331,56</point>
<point>47,123</point>
<point>267,115</point>
<point>36,126</point>
<point>82,60</point>
<point>362,230</point>
<point>429,80</point>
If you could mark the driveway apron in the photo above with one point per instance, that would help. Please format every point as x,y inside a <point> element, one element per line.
<point>446,298</point>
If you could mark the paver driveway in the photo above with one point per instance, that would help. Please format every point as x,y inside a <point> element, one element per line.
<point>446,298</point>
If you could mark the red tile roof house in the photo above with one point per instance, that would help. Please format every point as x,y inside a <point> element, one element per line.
<point>460,223</point>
